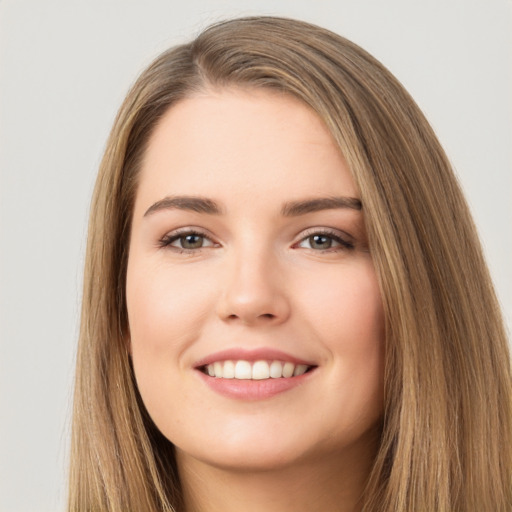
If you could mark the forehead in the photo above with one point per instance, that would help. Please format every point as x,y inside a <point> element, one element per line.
<point>238,142</point>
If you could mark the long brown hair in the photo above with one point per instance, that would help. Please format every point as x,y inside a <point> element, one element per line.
<point>447,428</point>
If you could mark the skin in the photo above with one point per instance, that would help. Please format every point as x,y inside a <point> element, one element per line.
<point>259,280</point>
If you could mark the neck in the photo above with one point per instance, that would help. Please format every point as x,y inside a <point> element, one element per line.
<point>331,484</point>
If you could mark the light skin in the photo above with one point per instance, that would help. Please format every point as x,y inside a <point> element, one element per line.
<point>248,236</point>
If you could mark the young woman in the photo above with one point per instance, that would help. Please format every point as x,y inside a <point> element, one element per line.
<point>285,303</point>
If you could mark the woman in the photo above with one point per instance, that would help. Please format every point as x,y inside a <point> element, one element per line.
<point>285,301</point>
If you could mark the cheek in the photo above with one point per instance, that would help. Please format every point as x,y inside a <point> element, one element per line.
<point>346,305</point>
<point>165,310</point>
<point>166,313</point>
<point>348,318</point>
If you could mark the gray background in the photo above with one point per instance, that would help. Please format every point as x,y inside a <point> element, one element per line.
<point>65,66</point>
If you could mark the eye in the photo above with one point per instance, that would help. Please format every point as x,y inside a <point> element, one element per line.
<point>325,241</point>
<point>186,241</point>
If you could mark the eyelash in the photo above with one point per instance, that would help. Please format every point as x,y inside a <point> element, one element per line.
<point>169,239</point>
<point>344,244</point>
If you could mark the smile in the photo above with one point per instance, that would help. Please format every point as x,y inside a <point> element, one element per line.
<point>256,370</point>
<point>254,374</point>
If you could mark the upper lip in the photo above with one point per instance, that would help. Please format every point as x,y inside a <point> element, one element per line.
<point>260,354</point>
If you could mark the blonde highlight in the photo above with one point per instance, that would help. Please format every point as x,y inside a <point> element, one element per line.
<point>446,439</point>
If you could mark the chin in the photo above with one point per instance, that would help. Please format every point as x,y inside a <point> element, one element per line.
<point>254,458</point>
<point>275,447</point>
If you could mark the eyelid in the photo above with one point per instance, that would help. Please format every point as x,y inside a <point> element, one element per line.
<point>171,236</point>
<point>345,240</point>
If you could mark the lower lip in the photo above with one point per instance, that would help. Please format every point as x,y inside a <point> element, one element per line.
<point>253,389</point>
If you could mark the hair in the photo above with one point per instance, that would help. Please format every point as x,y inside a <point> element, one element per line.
<point>446,441</point>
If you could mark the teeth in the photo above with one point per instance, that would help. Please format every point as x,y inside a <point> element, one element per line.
<point>217,368</point>
<point>288,369</point>
<point>243,370</point>
<point>300,369</point>
<point>259,370</point>
<point>276,369</point>
<point>228,370</point>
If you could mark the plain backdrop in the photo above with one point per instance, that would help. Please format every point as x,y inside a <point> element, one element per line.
<point>65,66</point>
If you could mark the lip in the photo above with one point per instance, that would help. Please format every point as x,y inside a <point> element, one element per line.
<point>252,355</point>
<point>251,390</point>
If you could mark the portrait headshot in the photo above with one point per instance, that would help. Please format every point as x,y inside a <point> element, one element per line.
<point>268,260</point>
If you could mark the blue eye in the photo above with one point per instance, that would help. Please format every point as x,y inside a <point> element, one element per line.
<point>324,241</point>
<point>320,242</point>
<point>190,241</point>
<point>187,241</point>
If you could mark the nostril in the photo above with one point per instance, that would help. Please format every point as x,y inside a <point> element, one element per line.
<point>252,308</point>
<point>263,315</point>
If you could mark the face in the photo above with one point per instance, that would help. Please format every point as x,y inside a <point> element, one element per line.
<point>255,316</point>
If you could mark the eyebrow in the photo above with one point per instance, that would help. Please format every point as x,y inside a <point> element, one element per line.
<point>295,208</point>
<point>190,203</point>
<point>289,209</point>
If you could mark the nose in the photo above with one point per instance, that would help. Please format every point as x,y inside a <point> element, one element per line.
<point>253,291</point>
